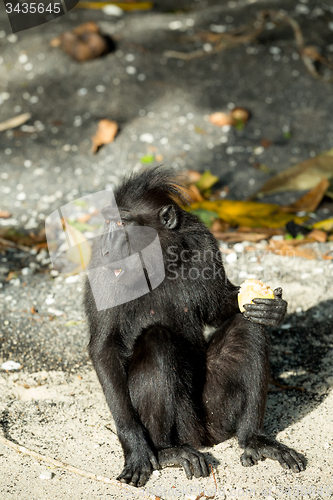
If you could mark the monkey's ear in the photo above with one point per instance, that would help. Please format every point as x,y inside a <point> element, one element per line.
<point>168,216</point>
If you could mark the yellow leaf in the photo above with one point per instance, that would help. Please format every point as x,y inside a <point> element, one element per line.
<point>124,6</point>
<point>248,213</point>
<point>326,225</point>
<point>206,181</point>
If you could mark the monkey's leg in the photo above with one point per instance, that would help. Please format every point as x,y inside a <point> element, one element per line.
<point>235,392</point>
<point>164,384</point>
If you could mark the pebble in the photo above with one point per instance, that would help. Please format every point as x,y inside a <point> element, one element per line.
<point>175,25</point>
<point>49,301</point>
<point>12,38</point>
<point>11,365</point>
<point>100,88</point>
<point>56,312</point>
<point>239,247</point>
<point>26,271</point>
<point>230,258</point>
<point>156,473</point>
<point>147,138</point>
<point>318,270</point>
<point>15,282</point>
<point>21,196</point>
<point>46,474</point>
<point>113,10</point>
<point>130,70</point>
<point>72,279</point>
<point>286,326</point>
<point>82,92</point>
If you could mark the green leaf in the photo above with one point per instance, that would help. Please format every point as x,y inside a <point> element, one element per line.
<point>147,159</point>
<point>206,216</point>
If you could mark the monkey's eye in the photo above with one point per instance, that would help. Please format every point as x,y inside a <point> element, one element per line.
<point>107,221</point>
<point>119,223</point>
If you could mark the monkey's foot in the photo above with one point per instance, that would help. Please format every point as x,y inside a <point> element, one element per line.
<point>260,447</point>
<point>185,456</point>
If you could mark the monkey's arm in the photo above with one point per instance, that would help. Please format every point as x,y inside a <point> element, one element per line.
<point>140,459</point>
<point>267,311</point>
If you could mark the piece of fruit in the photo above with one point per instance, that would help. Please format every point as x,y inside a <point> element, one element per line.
<point>252,289</point>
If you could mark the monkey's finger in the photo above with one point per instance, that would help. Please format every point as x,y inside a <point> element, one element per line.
<point>204,466</point>
<point>126,475</point>
<point>187,468</point>
<point>135,477</point>
<point>263,314</point>
<point>154,462</point>
<point>263,321</point>
<point>299,461</point>
<point>247,459</point>
<point>143,478</point>
<point>278,293</point>
<point>268,302</point>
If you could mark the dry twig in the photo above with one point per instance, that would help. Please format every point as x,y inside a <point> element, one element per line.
<point>75,470</point>
<point>249,33</point>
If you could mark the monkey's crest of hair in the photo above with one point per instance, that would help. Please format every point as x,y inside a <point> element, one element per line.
<point>158,185</point>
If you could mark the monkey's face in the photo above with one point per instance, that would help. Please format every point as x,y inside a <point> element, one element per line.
<point>130,243</point>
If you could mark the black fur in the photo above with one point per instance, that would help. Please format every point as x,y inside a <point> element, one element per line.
<point>169,390</point>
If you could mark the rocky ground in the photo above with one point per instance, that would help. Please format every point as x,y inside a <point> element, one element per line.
<point>54,404</point>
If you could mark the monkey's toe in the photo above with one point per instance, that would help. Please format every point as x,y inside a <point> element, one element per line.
<point>193,462</point>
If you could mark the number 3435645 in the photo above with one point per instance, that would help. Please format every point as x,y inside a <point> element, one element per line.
<point>33,8</point>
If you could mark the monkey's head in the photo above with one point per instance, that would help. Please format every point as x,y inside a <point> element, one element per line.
<point>144,218</point>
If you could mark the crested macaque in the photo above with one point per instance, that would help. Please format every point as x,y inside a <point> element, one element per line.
<point>171,391</point>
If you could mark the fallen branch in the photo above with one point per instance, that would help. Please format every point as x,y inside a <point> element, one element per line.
<point>283,387</point>
<point>249,33</point>
<point>14,122</point>
<point>8,243</point>
<point>80,472</point>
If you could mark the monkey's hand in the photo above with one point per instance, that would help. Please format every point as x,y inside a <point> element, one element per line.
<point>185,456</point>
<point>139,464</point>
<point>267,311</point>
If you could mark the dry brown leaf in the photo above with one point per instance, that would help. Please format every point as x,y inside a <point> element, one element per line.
<point>191,176</point>
<point>310,201</point>
<point>33,310</point>
<point>219,226</point>
<point>317,235</point>
<point>236,237</point>
<point>291,249</point>
<point>240,115</point>
<point>237,116</point>
<point>4,214</point>
<point>106,132</point>
<point>266,143</point>
<point>83,43</point>
<point>303,176</point>
<point>11,275</point>
<point>220,119</point>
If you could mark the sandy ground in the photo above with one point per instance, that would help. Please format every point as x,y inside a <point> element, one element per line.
<point>64,415</point>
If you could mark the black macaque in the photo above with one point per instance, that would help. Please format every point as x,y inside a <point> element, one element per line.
<point>171,391</point>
